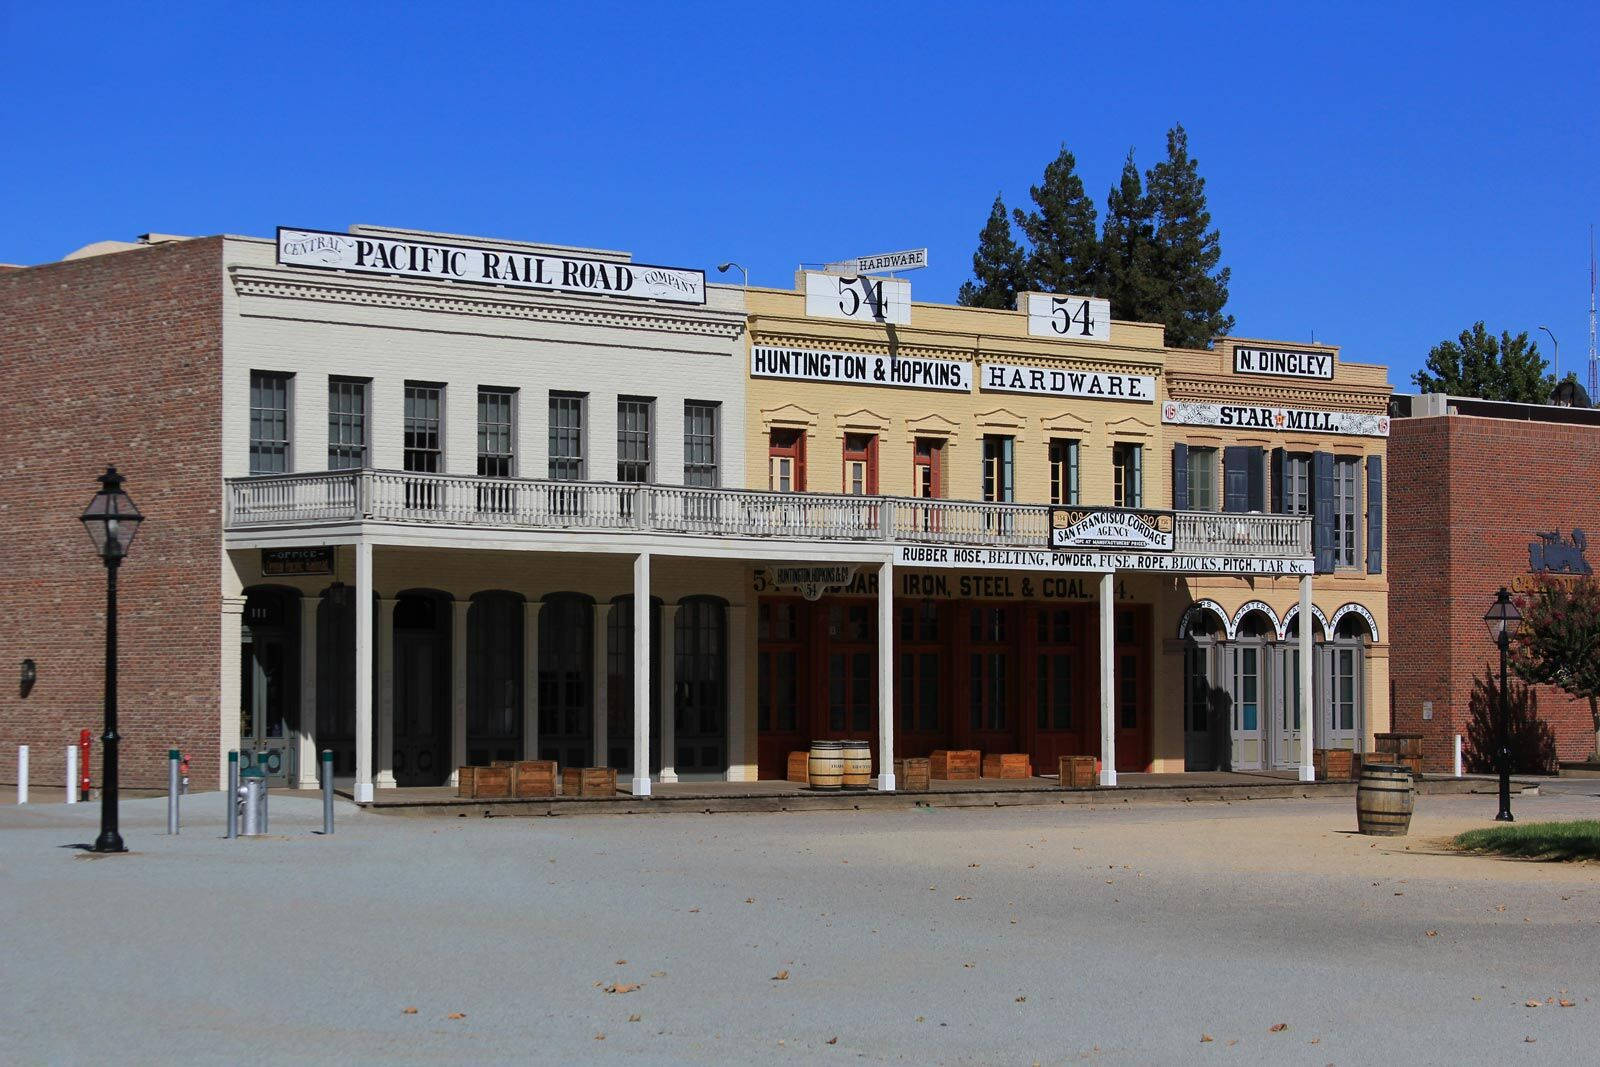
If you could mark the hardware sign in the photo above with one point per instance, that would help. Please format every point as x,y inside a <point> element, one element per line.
<point>1008,378</point>
<point>911,259</point>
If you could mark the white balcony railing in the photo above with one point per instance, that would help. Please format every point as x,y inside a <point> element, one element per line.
<point>288,500</point>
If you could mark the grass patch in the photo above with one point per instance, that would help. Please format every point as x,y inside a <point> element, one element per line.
<point>1576,840</point>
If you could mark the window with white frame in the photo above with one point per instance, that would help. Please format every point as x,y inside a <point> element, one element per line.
<point>1346,515</point>
<point>1203,479</point>
<point>566,436</point>
<point>700,443</point>
<point>634,424</point>
<point>347,422</point>
<point>497,439</point>
<point>269,422</point>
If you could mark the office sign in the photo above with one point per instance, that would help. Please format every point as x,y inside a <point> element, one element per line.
<point>1283,363</point>
<point>858,298</point>
<point>1067,318</point>
<point>1257,417</point>
<point>488,265</point>
<point>1099,385</point>
<point>284,562</point>
<point>1117,528</point>
<point>860,368</point>
<point>911,259</point>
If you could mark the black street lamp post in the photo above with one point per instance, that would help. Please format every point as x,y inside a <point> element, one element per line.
<point>1501,620</point>
<point>111,520</point>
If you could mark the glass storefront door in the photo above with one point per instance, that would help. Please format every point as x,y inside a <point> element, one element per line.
<point>269,711</point>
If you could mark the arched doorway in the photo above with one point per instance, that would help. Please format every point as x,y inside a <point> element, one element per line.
<point>421,688</point>
<point>1344,725</point>
<point>269,683</point>
<point>336,676</point>
<point>1247,673</point>
<point>1207,704</point>
<point>700,686</point>
<point>494,678</point>
<point>1287,712</point>
<point>566,679</point>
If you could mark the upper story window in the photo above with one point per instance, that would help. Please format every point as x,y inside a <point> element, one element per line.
<point>1127,475</point>
<point>927,467</point>
<point>497,440</point>
<point>566,436</point>
<point>860,464</point>
<point>1202,479</point>
<point>999,484</point>
<point>424,442</point>
<point>786,461</point>
<point>1063,471</point>
<point>634,423</point>
<point>269,422</point>
<point>1346,510</point>
<point>347,422</point>
<point>1296,487</point>
<point>700,418</point>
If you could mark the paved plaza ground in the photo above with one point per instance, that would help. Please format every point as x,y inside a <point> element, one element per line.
<point>1115,934</point>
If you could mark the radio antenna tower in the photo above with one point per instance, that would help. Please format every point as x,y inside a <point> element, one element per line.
<point>1594,359</point>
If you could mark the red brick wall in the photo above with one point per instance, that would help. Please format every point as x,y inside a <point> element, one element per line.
<point>1466,497</point>
<point>112,359</point>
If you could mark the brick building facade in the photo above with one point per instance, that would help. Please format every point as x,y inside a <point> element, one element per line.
<point>1473,486</point>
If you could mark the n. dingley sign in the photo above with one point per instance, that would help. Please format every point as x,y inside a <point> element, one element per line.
<point>1283,363</point>
<point>1255,417</point>
<point>488,265</point>
<point>1027,559</point>
<point>860,368</point>
<point>1008,378</point>
<point>1118,528</point>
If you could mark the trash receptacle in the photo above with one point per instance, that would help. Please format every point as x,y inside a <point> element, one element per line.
<point>252,802</point>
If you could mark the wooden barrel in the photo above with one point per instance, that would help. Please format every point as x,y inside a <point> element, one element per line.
<point>1384,800</point>
<point>857,765</point>
<point>826,766</point>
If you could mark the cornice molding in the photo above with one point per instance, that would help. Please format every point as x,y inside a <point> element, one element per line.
<point>1286,394</point>
<point>346,290</point>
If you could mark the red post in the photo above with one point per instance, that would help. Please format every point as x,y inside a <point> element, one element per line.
<point>85,739</point>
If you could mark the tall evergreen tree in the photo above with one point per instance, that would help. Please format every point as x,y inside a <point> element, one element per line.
<point>998,266</point>
<point>1193,290</point>
<point>1064,249</point>
<point>1481,365</point>
<point>1128,253</point>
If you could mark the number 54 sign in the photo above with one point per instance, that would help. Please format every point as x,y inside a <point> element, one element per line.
<point>864,299</point>
<point>1071,318</point>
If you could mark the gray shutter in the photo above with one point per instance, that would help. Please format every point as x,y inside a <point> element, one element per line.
<point>1180,477</point>
<point>1255,479</point>
<point>1235,478</point>
<point>1280,468</point>
<point>1322,510</point>
<point>1374,514</point>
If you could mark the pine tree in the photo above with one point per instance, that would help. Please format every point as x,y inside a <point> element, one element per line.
<point>998,266</point>
<point>1128,250</point>
<point>1063,247</point>
<point>1478,364</point>
<point>1193,291</point>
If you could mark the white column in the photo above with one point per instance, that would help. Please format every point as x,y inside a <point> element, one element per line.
<point>228,717</point>
<point>1108,680</point>
<point>602,688</point>
<point>306,740</point>
<point>72,774</point>
<point>737,646</point>
<point>886,676</point>
<point>666,685</point>
<point>641,675</point>
<point>383,758</point>
<point>363,790</point>
<point>530,678</point>
<point>458,688</point>
<point>1308,708</point>
<point>22,774</point>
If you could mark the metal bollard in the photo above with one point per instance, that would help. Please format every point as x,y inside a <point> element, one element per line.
<point>172,791</point>
<point>233,794</point>
<point>72,774</point>
<point>251,792</point>
<point>264,792</point>
<point>327,790</point>
<point>1458,755</point>
<point>22,774</point>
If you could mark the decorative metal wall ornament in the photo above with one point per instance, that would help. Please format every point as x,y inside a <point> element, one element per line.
<point>1551,553</point>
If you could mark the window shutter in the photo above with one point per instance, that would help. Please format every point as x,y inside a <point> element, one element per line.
<point>1255,480</point>
<point>1374,514</point>
<point>1322,489</point>
<point>1235,478</point>
<point>1180,477</point>
<point>1280,471</point>
<point>1138,476</point>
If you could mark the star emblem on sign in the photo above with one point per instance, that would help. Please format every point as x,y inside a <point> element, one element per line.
<point>1278,419</point>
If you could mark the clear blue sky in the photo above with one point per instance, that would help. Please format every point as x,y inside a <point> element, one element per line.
<point>1382,176</point>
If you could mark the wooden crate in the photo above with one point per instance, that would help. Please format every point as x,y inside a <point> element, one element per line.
<point>483,782</point>
<point>911,775</point>
<point>954,765</point>
<point>1396,744</point>
<point>1077,772</point>
<point>1333,764</point>
<point>533,778</point>
<point>589,782</point>
<point>799,768</point>
<point>1007,765</point>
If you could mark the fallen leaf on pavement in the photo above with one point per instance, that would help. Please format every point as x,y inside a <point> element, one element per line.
<point>1565,1003</point>
<point>622,987</point>
<point>833,1040</point>
<point>621,962</point>
<point>1433,933</point>
<point>457,1015</point>
<point>408,1011</point>
<point>693,910</point>
<point>599,1037</point>
<point>633,1018</point>
<point>1021,999</point>
<point>1277,1028</point>
<point>749,900</point>
<point>1205,1038</point>
<point>1532,1003</point>
<point>658,974</point>
<point>781,976</point>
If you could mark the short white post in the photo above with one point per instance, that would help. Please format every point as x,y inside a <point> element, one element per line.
<point>1458,755</point>
<point>72,774</point>
<point>886,781</point>
<point>22,774</point>
<point>1108,696</point>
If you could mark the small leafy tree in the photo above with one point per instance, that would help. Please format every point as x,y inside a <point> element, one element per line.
<point>1532,744</point>
<point>1559,641</point>
<point>1478,364</point>
<point>998,266</point>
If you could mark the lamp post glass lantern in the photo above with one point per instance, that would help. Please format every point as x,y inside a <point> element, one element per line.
<point>1501,620</point>
<point>112,520</point>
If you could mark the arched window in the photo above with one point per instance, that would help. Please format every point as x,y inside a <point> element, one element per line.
<point>566,679</point>
<point>494,677</point>
<point>700,686</point>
